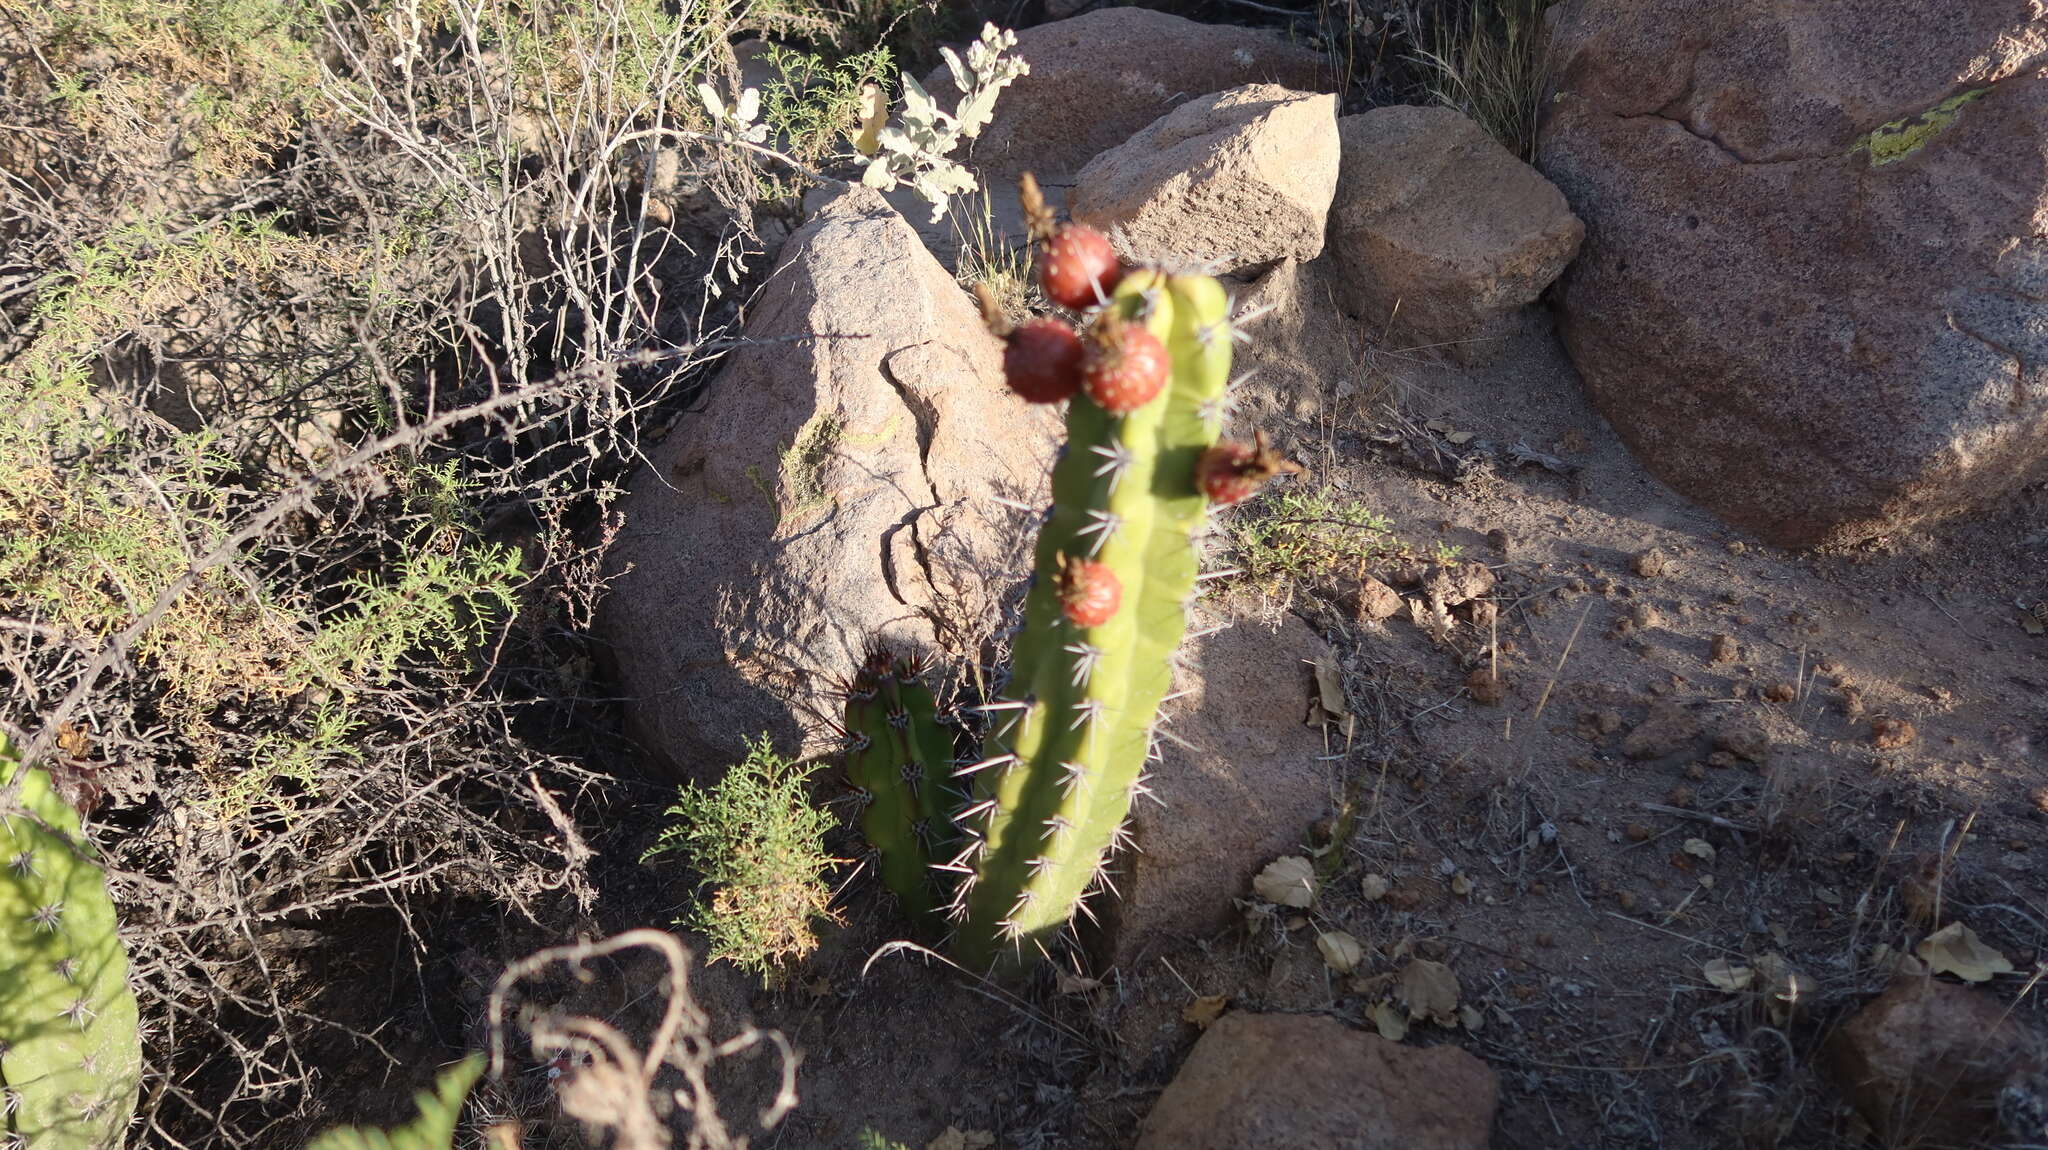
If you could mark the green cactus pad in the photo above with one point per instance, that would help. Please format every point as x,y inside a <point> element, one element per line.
<point>70,1056</point>
<point>1069,741</point>
<point>902,759</point>
<point>434,1129</point>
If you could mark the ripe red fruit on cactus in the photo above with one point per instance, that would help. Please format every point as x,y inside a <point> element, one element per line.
<point>1041,357</point>
<point>1124,365</point>
<point>1231,472</point>
<point>1042,361</point>
<point>1089,591</point>
<point>1076,266</point>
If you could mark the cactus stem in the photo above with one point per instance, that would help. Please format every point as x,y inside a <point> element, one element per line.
<point>47,918</point>
<point>24,864</point>
<point>79,1012</point>
<point>1072,774</point>
<point>1039,865</point>
<point>1086,656</point>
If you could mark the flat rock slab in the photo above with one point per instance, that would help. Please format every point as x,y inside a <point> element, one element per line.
<point>1306,1082</point>
<point>1098,78</point>
<point>1229,182</point>
<point>1927,1061</point>
<point>1438,234</point>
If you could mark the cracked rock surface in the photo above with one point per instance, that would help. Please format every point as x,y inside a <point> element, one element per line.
<point>840,482</point>
<point>1813,294</point>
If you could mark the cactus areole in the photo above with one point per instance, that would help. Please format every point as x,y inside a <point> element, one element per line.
<point>70,1057</point>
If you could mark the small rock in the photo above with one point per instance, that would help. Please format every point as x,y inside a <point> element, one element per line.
<point>1500,540</point>
<point>1258,1081</point>
<point>1606,722</point>
<point>2039,798</point>
<point>1650,564</point>
<point>1744,735</point>
<point>1439,233</point>
<point>1636,833</point>
<point>1235,180</point>
<point>1926,1063</point>
<point>1890,734</point>
<point>1374,887</point>
<point>1485,686</point>
<point>1668,727</point>
<point>1723,650</point>
<point>1376,600</point>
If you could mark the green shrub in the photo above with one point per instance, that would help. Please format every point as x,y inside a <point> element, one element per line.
<point>759,845</point>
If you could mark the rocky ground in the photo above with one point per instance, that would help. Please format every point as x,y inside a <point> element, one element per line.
<point>1577,816</point>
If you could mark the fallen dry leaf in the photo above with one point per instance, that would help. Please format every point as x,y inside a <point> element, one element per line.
<point>1330,704</point>
<point>1289,881</point>
<point>1956,949</point>
<point>1066,983</point>
<point>1461,885</point>
<point>1470,1018</point>
<point>1725,975</point>
<point>1430,992</point>
<point>1204,1010</point>
<point>1341,951</point>
<point>1897,963</point>
<point>957,1139</point>
<point>1787,992</point>
<point>1374,887</point>
<point>1386,1018</point>
<point>1699,849</point>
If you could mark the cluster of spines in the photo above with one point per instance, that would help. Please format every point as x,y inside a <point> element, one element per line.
<point>899,758</point>
<point>70,1053</point>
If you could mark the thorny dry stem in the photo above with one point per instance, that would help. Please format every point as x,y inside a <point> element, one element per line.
<point>611,1083</point>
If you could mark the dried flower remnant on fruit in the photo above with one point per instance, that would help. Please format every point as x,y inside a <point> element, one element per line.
<point>1077,268</point>
<point>1232,472</point>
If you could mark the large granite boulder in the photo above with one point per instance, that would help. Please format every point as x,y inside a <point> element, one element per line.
<point>1814,290</point>
<point>839,485</point>
<point>1098,78</point>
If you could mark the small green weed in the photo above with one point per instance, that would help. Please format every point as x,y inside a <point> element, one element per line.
<point>1302,534</point>
<point>760,846</point>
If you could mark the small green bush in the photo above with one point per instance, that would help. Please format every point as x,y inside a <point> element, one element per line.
<point>760,846</point>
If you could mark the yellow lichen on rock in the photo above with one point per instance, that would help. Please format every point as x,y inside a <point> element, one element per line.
<point>1901,138</point>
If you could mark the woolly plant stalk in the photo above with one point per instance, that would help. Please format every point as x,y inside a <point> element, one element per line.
<point>70,1055</point>
<point>1070,736</point>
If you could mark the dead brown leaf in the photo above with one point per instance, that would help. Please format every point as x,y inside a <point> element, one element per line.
<point>1205,1010</point>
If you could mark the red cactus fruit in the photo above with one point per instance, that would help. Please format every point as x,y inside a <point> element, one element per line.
<point>1231,472</point>
<point>1076,266</point>
<point>1089,591</point>
<point>1042,361</point>
<point>1041,357</point>
<point>1124,366</point>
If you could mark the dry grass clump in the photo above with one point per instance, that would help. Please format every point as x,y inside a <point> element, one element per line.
<point>328,332</point>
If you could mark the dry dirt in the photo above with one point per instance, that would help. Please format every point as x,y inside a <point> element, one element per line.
<point>1556,875</point>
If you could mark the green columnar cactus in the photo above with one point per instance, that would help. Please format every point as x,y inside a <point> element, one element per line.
<point>902,760</point>
<point>1072,732</point>
<point>70,1056</point>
